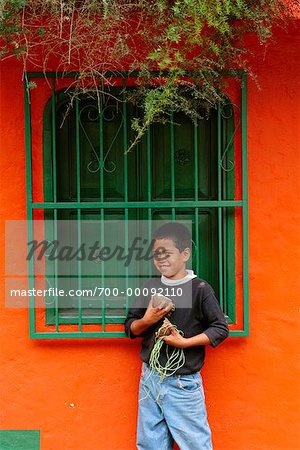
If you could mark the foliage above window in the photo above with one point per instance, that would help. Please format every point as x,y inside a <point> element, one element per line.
<point>171,37</point>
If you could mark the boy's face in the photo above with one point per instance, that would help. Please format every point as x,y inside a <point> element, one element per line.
<point>168,260</point>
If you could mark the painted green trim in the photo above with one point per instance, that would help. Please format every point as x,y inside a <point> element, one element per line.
<point>161,204</point>
<point>20,439</point>
<point>79,335</point>
<point>28,162</point>
<point>245,227</point>
<point>106,334</point>
<point>238,333</point>
<point>51,207</point>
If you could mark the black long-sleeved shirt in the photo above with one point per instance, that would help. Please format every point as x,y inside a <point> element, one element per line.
<point>197,311</point>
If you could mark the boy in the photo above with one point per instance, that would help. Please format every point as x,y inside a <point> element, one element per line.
<point>174,409</point>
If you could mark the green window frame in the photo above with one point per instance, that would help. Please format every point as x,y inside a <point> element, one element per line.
<point>60,202</point>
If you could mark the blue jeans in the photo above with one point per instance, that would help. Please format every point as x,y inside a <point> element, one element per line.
<point>172,410</point>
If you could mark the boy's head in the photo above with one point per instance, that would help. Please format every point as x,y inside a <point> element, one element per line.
<point>172,245</point>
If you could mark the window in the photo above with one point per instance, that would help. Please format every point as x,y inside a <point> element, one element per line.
<point>179,171</point>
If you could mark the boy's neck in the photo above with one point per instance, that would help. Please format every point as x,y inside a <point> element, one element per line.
<point>179,275</point>
<point>189,274</point>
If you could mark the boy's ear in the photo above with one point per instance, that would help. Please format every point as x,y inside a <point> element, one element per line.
<point>186,254</point>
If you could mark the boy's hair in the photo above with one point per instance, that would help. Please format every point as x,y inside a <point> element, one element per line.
<point>175,231</point>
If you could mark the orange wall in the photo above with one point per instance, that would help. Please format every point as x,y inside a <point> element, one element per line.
<point>251,393</point>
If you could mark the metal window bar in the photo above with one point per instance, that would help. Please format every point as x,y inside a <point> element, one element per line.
<point>29,208</point>
<point>53,127</point>
<point>196,187</point>
<point>220,211</point>
<point>78,190</point>
<point>245,230</point>
<point>172,163</point>
<point>125,185</point>
<point>102,299</point>
<point>149,190</point>
<point>148,205</point>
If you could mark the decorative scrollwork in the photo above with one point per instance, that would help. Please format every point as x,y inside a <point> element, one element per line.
<point>227,113</point>
<point>109,113</point>
<point>94,164</point>
<point>227,110</point>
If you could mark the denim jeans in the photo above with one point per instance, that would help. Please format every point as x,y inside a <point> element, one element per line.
<point>172,410</point>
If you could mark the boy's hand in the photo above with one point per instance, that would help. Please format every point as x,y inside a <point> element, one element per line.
<point>153,315</point>
<point>174,339</point>
<point>164,330</point>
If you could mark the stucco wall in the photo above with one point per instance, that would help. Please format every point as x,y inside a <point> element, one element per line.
<point>251,394</point>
